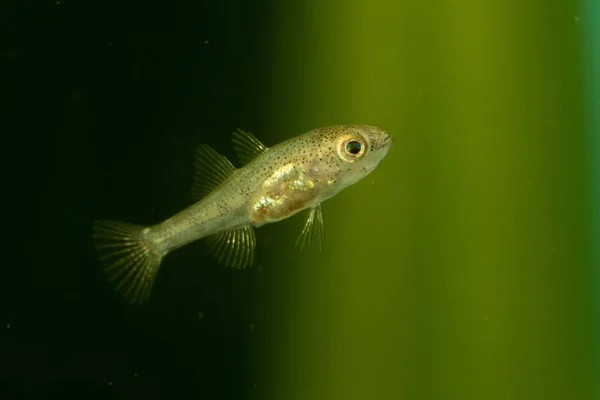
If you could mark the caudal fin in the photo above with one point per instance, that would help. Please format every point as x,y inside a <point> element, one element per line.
<point>131,263</point>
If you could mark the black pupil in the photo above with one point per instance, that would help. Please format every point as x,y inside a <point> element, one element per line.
<point>353,147</point>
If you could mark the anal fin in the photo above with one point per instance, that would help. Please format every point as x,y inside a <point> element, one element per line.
<point>234,247</point>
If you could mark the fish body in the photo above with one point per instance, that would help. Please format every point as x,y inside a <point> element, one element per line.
<point>273,184</point>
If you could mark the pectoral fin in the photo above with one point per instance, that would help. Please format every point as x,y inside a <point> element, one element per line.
<point>234,247</point>
<point>313,228</point>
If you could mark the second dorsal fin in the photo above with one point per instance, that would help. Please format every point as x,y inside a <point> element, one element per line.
<point>247,146</point>
<point>211,169</point>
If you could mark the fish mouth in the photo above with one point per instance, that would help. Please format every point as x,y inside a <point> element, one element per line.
<point>386,141</point>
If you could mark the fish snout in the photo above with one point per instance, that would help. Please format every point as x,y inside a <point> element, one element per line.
<point>386,141</point>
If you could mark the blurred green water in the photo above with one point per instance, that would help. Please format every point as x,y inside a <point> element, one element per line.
<point>462,268</point>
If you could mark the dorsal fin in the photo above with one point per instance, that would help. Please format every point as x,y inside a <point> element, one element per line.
<point>211,169</point>
<point>247,146</point>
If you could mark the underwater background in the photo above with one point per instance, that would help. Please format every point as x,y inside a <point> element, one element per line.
<point>467,266</point>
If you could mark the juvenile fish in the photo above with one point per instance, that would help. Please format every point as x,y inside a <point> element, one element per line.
<point>273,184</point>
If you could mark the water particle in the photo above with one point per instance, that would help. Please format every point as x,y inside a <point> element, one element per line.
<point>200,315</point>
<point>7,326</point>
<point>206,42</point>
<point>251,327</point>
<point>576,18</point>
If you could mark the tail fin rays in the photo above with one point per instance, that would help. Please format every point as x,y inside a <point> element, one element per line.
<point>131,263</point>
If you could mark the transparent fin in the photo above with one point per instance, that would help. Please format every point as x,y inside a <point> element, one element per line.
<point>247,146</point>
<point>211,169</point>
<point>130,262</point>
<point>313,228</point>
<point>234,247</point>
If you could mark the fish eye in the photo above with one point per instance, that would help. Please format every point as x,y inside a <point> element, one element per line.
<point>353,147</point>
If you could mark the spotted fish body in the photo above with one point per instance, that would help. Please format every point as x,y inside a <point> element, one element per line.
<point>273,184</point>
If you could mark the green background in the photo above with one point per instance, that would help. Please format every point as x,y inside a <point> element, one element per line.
<point>462,267</point>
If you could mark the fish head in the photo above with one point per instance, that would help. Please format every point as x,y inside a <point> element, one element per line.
<point>355,151</point>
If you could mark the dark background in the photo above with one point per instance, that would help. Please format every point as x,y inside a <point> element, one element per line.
<point>103,105</point>
<point>472,274</point>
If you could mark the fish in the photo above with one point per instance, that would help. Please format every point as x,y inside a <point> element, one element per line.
<point>272,184</point>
